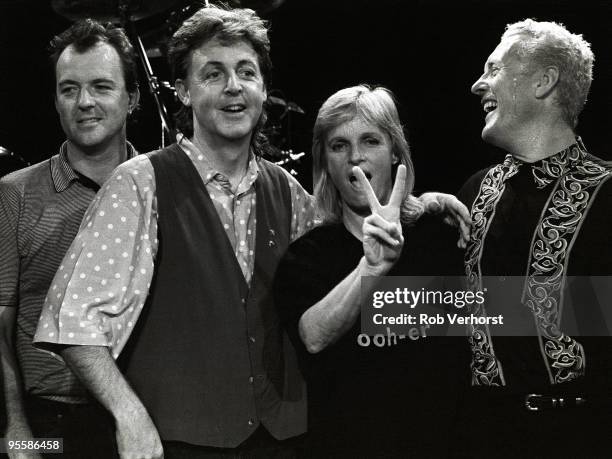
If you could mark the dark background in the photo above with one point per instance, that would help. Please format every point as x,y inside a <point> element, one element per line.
<point>428,52</point>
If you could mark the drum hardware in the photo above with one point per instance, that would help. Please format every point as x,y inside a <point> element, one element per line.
<point>279,130</point>
<point>290,106</point>
<point>115,11</point>
<point>10,161</point>
<point>154,87</point>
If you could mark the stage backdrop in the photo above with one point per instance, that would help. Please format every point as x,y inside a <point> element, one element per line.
<point>428,52</point>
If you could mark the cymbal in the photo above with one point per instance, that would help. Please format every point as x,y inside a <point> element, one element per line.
<point>110,10</point>
<point>287,105</point>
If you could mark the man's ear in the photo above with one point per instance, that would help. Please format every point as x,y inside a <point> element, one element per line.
<point>182,92</point>
<point>394,159</point>
<point>548,79</point>
<point>134,97</point>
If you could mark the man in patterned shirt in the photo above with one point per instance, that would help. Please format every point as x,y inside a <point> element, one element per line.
<point>543,214</point>
<point>40,212</point>
<point>196,231</point>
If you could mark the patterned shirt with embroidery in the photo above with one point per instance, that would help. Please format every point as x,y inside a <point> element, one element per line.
<point>553,214</point>
<point>103,282</point>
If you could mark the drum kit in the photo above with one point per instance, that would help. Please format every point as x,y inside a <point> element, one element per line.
<point>153,22</point>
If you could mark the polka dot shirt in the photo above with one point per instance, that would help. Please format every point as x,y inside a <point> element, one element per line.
<point>101,286</point>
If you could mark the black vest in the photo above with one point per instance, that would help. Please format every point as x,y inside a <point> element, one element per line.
<point>208,358</point>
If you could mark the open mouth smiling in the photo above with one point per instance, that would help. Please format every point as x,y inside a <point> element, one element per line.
<point>489,105</point>
<point>234,108</point>
<point>88,121</point>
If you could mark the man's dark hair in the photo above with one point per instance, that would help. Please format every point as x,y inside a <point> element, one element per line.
<point>227,26</point>
<point>85,34</point>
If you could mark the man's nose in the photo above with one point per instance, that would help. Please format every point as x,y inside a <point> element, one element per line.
<point>233,84</point>
<point>85,99</point>
<point>480,86</point>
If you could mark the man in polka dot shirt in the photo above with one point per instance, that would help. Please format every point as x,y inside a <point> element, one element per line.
<point>163,300</point>
<point>195,231</point>
<point>41,208</point>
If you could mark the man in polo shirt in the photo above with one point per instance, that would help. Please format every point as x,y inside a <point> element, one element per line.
<point>41,208</point>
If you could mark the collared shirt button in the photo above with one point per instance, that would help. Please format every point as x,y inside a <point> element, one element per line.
<point>251,422</point>
<point>252,338</point>
<point>251,379</point>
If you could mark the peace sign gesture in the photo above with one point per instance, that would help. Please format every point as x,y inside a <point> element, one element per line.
<point>382,231</point>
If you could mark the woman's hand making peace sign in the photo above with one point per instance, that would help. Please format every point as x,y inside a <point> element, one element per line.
<point>382,231</point>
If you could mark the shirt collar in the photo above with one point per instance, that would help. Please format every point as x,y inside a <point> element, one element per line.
<point>551,168</point>
<point>208,172</point>
<point>62,173</point>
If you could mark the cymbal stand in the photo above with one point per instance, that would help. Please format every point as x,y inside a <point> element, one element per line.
<point>153,83</point>
<point>154,88</point>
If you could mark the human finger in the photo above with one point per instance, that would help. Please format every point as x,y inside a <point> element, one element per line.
<point>451,221</point>
<point>461,243</point>
<point>397,194</point>
<point>462,214</point>
<point>461,218</point>
<point>393,228</point>
<point>464,230</point>
<point>367,189</point>
<point>381,235</point>
<point>431,203</point>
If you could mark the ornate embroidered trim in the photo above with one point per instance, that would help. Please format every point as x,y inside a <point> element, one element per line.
<point>577,179</point>
<point>486,369</point>
<point>559,226</point>
<point>555,166</point>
